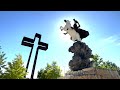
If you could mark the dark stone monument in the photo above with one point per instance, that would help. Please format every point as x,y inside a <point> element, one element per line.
<point>81,57</point>
<point>82,53</point>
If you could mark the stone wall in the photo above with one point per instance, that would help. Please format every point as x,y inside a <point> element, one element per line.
<point>92,73</point>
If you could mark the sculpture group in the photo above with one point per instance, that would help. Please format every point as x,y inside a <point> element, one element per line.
<point>82,53</point>
<point>76,33</point>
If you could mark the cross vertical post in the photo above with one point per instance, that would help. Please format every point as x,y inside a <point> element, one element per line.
<point>34,64</point>
<point>29,57</point>
<point>35,60</point>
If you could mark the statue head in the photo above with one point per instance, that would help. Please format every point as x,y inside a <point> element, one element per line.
<point>67,25</point>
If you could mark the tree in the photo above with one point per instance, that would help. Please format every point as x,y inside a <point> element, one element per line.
<point>41,74</point>
<point>109,65</point>
<point>52,71</point>
<point>2,62</point>
<point>97,61</point>
<point>15,69</point>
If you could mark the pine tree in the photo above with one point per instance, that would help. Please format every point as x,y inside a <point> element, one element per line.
<point>2,62</point>
<point>15,70</point>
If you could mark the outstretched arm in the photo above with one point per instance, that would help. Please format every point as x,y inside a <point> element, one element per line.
<point>65,33</point>
<point>61,28</point>
<point>78,25</point>
<point>77,22</point>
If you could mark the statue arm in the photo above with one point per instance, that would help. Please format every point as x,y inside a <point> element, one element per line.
<point>61,28</point>
<point>77,22</point>
<point>65,33</point>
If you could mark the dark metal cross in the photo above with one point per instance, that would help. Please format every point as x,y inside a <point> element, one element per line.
<point>30,43</point>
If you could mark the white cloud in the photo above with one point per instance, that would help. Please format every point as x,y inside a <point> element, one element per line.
<point>104,44</point>
<point>114,40</point>
<point>110,39</point>
<point>118,44</point>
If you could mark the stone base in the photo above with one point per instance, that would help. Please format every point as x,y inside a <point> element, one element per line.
<point>81,57</point>
<point>92,73</point>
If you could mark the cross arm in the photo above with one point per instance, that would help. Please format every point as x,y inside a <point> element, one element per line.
<point>43,46</point>
<point>26,39</point>
<point>27,42</point>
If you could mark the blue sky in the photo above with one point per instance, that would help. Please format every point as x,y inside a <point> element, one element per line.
<point>103,26</point>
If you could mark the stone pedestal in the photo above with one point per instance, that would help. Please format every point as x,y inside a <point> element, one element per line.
<point>92,73</point>
<point>81,57</point>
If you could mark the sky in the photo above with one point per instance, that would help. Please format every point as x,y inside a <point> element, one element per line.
<point>103,26</point>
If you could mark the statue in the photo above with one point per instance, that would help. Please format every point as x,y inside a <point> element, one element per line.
<point>82,53</point>
<point>76,33</point>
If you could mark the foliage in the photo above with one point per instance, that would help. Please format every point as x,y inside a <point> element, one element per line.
<point>99,63</point>
<point>52,71</point>
<point>109,65</point>
<point>15,69</point>
<point>2,62</point>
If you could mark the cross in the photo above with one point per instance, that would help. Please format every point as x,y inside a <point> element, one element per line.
<point>30,43</point>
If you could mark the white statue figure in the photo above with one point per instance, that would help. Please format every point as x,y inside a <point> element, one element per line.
<point>75,36</point>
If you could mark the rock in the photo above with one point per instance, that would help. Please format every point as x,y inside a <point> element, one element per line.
<point>81,58</point>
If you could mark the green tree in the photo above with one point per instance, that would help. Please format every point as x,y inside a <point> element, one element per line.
<point>97,61</point>
<point>2,62</point>
<point>52,71</point>
<point>15,69</point>
<point>109,65</point>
